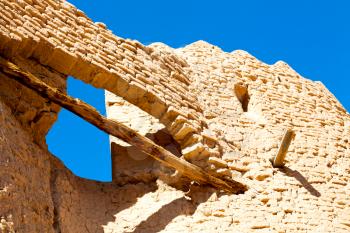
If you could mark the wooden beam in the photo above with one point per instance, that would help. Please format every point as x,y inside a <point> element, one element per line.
<point>117,129</point>
<point>278,160</point>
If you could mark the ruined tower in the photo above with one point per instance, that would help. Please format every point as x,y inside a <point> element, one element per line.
<point>224,112</point>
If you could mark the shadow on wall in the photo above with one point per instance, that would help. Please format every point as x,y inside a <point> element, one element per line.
<point>303,181</point>
<point>185,205</point>
<point>131,165</point>
<point>241,92</point>
<point>88,206</point>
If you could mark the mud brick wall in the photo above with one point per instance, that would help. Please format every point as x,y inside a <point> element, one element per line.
<point>62,37</point>
<point>223,111</point>
<point>248,105</point>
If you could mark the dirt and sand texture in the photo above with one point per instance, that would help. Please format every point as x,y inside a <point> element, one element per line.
<point>226,112</point>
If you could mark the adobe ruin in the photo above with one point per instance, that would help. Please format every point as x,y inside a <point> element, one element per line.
<point>224,112</point>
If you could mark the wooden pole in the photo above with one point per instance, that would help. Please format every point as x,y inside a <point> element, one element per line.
<point>117,129</point>
<point>278,161</point>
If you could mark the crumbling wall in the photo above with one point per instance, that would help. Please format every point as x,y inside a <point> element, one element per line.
<point>25,195</point>
<point>129,164</point>
<point>249,104</point>
<point>26,203</point>
<point>35,114</point>
<point>60,36</point>
<point>223,111</point>
<point>311,192</point>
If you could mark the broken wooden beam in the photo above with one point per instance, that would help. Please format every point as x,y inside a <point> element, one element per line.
<point>117,129</point>
<point>279,159</point>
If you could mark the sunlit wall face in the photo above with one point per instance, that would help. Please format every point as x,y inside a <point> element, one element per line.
<point>311,37</point>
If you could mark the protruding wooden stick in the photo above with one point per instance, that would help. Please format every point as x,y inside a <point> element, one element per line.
<point>278,160</point>
<point>117,129</point>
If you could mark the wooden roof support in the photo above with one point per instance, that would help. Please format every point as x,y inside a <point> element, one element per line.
<point>117,129</point>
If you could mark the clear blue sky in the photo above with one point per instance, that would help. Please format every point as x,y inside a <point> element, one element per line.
<point>312,36</point>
